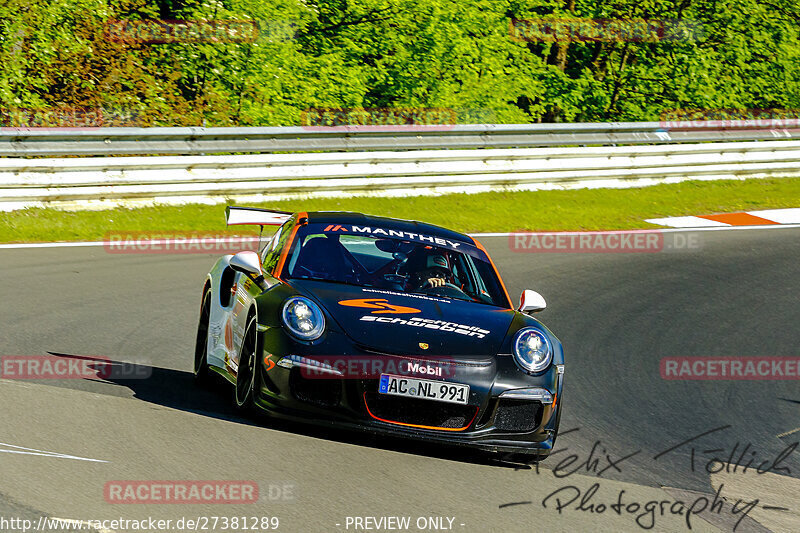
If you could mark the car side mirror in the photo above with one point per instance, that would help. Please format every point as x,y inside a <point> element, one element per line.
<point>531,302</point>
<point>249,264</point>
<point>246,262</point>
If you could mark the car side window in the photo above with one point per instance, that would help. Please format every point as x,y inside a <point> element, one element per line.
<point>270,246</point>
<point>272,256</point>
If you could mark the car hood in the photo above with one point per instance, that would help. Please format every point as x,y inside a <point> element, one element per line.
<point>396,323</point>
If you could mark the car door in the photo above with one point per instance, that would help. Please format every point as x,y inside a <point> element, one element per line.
<point>246,290</point>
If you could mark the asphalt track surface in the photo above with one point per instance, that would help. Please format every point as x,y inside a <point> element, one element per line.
<point>735,293</point>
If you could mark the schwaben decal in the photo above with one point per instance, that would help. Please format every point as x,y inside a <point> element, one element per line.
<point>418,237</point>
<point>440,325</point>
<point>381,306</point>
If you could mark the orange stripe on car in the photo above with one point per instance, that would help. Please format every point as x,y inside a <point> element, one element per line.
<point>288,246</point>
<point>503,285</point>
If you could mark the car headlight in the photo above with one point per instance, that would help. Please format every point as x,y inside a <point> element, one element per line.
<point>532,350</point>
<point>303,318</point>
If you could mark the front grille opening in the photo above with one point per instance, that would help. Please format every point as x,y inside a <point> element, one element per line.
<point>321,392</point>
<point>418,412</point>
<point>518,415</point>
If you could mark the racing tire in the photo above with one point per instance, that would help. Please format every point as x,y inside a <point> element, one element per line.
<point>202,374</point>
<point>246,374</point>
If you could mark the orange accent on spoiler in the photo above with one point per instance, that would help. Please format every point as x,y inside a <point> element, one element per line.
<point>420,426</point>
<point>503,285</point>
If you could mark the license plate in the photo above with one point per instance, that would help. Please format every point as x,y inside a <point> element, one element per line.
<point>426,389</point>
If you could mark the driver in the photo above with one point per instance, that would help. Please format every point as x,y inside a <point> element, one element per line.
<point>435,274</point>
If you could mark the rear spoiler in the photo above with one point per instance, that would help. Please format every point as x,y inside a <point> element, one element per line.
<point>236,216</point>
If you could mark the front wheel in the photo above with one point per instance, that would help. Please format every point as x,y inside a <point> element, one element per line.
<point>202,374</point>
<point>246,373</point>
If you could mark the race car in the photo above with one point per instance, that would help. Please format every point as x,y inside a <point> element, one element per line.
<point>394,327</point>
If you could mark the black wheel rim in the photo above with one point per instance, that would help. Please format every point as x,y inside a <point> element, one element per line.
<point>244,376</point>
<point>201,346</point>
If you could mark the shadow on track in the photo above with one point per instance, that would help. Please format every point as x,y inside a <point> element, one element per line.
<point>176,389</point>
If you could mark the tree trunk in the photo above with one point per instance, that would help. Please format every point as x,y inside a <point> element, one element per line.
<point>563,47</point>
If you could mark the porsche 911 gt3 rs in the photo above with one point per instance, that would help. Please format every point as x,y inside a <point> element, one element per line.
<point>389,326</point>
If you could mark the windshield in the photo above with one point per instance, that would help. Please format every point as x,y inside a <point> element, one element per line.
<point>417,264</point>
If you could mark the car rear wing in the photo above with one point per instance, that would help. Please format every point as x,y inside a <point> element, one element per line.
<point>255,216</point>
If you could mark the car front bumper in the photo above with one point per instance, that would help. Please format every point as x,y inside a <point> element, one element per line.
<point>508,411</point>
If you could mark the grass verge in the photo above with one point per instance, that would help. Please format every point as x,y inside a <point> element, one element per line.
<point>583,209</point>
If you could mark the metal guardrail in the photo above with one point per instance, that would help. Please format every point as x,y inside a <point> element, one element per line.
<point>28,142</point>
<point>111,181</point>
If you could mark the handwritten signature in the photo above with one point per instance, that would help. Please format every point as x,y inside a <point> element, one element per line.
<point>737,459</point>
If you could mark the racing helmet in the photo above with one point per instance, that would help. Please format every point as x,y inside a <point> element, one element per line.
<point>438,262</point>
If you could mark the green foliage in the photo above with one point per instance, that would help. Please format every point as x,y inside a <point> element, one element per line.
<point>722,54</point>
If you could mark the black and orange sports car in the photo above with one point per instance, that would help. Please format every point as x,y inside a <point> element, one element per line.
<point>382,325</point>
